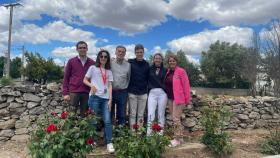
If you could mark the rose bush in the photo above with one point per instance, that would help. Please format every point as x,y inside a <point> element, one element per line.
<point>63,136</point>
<point>135,143</point>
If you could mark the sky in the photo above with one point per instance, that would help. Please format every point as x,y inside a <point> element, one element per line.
<point>53,27</point>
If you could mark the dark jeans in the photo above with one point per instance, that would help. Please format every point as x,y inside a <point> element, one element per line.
<point>79,100</point>
<point>119,99</point>
<point>100,107</point>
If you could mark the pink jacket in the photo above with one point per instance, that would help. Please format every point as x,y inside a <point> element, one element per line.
<point>181,86</point>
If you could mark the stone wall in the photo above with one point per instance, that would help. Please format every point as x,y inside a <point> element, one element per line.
<point>247,112</point>
<point>21,106</point>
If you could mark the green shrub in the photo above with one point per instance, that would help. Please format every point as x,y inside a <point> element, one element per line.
<point>136,144</point>
<point>63,136</point>
<point>271,145</point>
<point>215,138</point>
<point>6,81</point>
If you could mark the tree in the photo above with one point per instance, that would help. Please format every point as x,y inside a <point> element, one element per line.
<point>191,69</point>
<point>40,70</point>
<point>251,63</point>
<point>15,70</point>
<point>272,55</point>
<point>221,65</point>
<point>2,62</point>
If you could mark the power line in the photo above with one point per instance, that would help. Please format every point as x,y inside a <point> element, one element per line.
<point>11,6</point>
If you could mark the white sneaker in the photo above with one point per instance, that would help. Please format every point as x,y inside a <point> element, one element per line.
<point>110,148</point>
<point>174,143</point>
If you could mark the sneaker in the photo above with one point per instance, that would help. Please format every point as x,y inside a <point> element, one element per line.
<point>110,148</point>
<point>174,143</point>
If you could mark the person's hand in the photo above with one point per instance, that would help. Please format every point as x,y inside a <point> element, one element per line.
<point>66,98</point>
<point>93,90</point>
<point>109,105</point>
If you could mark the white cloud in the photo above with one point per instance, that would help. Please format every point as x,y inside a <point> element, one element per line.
<point>221,12</point>
<point>56,30</point>
<point>196,43</point>
<point>68,52</point>
<point>58,61</point>
<point>129,17</point>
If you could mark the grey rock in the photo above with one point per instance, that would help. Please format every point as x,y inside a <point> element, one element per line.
<point>44,103</point>
<point>243,125</point>
<point>31,97</point>
<point>254,115</point>
<point>21,131</point>
<point>242,117</point>
<point>19,100</point>
<point>2,98</point>
<point>276,116</point>
<point>7,133</point>
<point>260,123</point>
<point>26,88</point>
<point>37,111</point>
<point>10,99</point>
<point>53,87</point>
<point>32,105</point>
<point>17,111</point>
<point>3,105</point>
<point>8,124</point>
<point>22,123</point>
<point>189,122</point>
<point>3,139</point>
<point>14,105</point>
<point>14,93</point>
<point>20,138</point>
<point>4,113</point>
<point>266,117</point>
<point>53,103</point>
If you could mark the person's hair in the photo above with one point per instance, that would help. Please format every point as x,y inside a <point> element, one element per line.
<point>108,63</point>
<point>120,46</point>
<point>159,54</point>
<point>139,46</point>
<point>81,42</point>
<point>172,56</point>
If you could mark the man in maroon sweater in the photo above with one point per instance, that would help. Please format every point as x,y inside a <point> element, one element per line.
<point>74,90</point>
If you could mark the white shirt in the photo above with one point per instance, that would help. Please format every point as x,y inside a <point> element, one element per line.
<point>96,80</point>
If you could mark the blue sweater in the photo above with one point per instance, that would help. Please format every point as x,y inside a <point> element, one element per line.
<point>138,84</point>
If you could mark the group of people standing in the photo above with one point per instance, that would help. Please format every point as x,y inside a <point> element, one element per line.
<point>107,84</point>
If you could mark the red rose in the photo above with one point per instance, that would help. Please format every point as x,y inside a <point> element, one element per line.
<point>89,111</point>
<point>64,115</point>
<point>135,126</point>
<point>51,128</point>
<point>53,113</point>
<point>89,141</point>
<point>156,127</point>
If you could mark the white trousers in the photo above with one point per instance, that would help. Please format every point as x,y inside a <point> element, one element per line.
<point>157,100</point>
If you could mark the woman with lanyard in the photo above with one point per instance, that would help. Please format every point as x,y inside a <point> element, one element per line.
<point>99,78</point>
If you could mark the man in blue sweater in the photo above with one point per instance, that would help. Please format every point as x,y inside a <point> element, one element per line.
<point>137,89</point>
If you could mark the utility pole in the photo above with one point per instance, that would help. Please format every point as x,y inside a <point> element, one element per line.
<point>11,6</point>
<point>22,63</point>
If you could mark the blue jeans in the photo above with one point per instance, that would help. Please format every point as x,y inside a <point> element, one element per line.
<point>119,98</point>
<point>100,106</point>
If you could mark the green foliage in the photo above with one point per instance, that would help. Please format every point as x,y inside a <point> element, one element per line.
<point>63,136</point>
<point>6,81</point>
<point>40,70</point>
<point>2,62</point>
<point>272,144</point>
<point>221,65</point>
<point>213,122</point>
<point>15,70</point>
<point>129,144</point>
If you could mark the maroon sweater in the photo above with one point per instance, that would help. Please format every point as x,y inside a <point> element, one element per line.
<point>74,75</point>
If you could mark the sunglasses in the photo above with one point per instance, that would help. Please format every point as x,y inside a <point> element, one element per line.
<point>82,47</point>
<point>104,56</point>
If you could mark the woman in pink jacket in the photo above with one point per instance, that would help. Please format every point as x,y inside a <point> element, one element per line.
<point>178,91</point>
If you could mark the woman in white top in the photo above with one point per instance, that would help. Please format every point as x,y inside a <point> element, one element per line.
<point>99,77</point>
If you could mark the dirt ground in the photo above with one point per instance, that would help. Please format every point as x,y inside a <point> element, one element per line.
<point>246,145</point>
